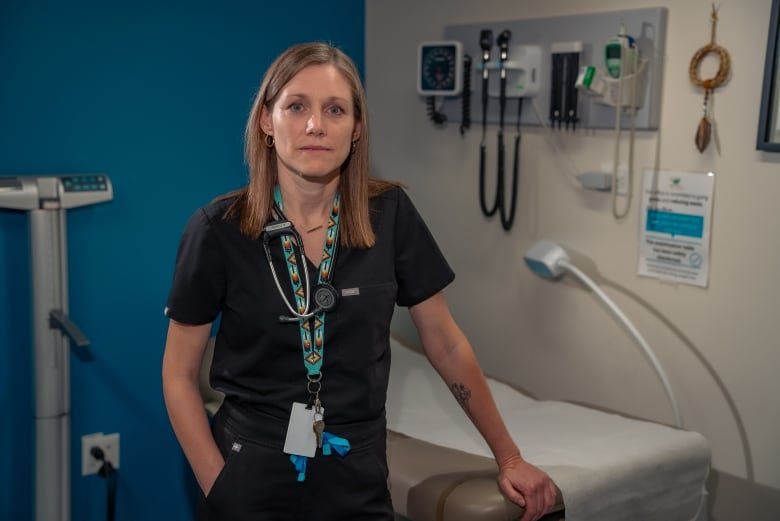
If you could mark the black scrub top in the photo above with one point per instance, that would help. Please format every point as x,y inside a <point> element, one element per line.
<point>258,360</point>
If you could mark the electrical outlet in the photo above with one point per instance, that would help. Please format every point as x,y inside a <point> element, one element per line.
<point>109,443</point>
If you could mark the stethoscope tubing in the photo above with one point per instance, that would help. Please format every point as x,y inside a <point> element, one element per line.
<point>285,227</point>
<point>297,238</point>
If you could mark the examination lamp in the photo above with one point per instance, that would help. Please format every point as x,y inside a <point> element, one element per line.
<point>549,260</point>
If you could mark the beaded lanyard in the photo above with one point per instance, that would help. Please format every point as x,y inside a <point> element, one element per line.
<point>313,352</point>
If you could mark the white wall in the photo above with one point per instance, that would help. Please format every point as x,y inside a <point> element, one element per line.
<point>720,344</point>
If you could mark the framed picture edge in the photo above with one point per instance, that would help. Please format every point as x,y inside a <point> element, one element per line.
<point>770,91</point>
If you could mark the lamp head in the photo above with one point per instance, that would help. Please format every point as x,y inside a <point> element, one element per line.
<point>547,259</point>
<point>503,40</point>
<point>486,39</point>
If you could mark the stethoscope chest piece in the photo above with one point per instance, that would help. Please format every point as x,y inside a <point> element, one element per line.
<point>326,298</point>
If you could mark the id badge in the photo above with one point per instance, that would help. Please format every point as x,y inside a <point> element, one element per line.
<point>301,439</point>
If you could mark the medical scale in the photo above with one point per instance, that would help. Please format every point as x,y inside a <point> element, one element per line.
<point>46,198</point>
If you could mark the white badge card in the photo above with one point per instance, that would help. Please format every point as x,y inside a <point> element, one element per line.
<point>301,439</point>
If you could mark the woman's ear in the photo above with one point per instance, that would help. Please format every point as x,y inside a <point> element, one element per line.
<point>356,132</point>
<point>265,122</point>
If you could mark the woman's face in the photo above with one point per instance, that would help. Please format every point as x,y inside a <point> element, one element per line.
<point>312,122</point>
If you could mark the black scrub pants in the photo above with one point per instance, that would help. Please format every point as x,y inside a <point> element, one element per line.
<point>259,482</point>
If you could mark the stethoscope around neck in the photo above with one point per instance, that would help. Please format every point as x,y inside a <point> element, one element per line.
<point>325,296</point>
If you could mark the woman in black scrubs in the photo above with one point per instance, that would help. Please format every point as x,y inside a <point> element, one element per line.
<point>304,267</point>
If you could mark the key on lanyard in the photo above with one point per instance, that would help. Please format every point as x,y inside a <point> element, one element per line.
<point>319,424</point>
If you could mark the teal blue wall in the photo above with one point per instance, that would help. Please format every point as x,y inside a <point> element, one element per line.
<point>155,94</point>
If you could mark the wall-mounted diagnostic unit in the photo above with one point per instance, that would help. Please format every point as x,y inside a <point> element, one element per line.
<point>546,55</point>
<point>46,199</point>
<point>593,71</point>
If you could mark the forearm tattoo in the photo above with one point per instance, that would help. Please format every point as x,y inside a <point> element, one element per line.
<point>462,395</point>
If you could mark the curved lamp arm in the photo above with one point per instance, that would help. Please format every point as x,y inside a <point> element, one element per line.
<point>550,260</point>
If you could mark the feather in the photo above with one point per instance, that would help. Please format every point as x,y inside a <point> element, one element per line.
<point>703,134</point>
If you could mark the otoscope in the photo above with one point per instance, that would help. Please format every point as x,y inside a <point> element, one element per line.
<point>485,43</point>
<point>503,44</point>
<point>507,217</point>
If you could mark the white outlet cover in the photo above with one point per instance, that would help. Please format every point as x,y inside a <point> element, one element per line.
<point>110,445</point>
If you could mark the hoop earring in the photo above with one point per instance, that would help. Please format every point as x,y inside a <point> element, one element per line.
<point>269,141</point>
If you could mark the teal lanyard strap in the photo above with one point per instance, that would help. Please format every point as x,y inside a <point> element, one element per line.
<point>313,352</point>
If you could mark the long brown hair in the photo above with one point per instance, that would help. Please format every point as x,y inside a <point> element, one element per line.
<point>254,202</point>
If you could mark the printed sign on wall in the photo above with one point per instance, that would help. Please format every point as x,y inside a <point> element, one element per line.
<point>674,240</point>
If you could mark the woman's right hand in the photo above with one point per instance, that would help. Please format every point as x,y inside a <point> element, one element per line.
<point>184,349</point>
<point>209,478</point>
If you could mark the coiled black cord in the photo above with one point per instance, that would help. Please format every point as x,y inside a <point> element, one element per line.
<point>508,218</point>
<point>485,43</point>
<point>507,215</point>
<point>438,118</point>
<point>466,100</point>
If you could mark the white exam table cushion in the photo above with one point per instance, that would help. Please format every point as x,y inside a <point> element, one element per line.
<point>607,467</point>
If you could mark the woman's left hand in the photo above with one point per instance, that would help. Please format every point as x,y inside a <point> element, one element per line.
<point>527,486</point>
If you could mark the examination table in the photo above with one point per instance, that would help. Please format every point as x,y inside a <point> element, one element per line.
<point>607,467</point>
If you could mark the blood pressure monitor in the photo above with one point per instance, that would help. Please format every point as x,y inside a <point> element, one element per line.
<point>440,68</point>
